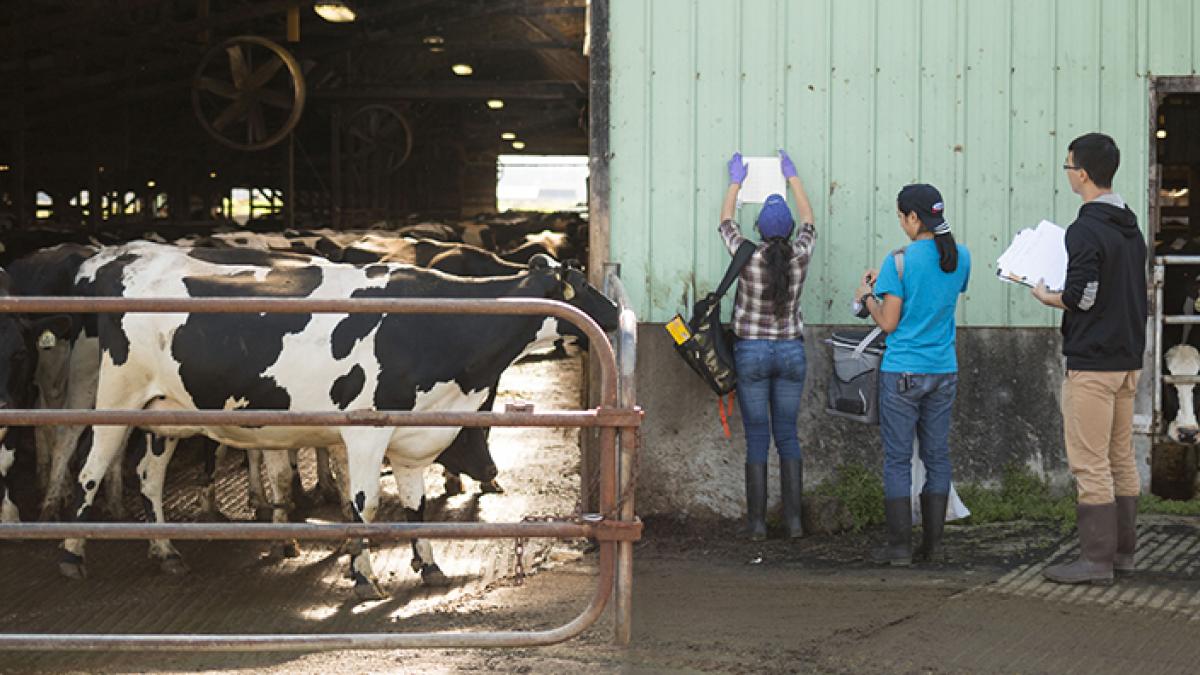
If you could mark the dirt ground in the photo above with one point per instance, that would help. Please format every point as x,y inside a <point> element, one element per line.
<point>714,604</point>
<point>704,600</point>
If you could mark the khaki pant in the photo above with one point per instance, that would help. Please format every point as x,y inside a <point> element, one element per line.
<point>1097,409</point>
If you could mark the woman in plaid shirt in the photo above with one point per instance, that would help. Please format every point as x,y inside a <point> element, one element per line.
<point>769,356</point>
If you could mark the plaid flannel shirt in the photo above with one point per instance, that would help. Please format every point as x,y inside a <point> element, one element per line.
<point>753,313</point>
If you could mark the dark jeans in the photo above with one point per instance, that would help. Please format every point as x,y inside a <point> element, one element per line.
<point>770,382</point>
<point>922,410</point>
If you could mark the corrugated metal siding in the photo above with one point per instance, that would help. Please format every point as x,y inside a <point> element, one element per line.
<point>978,98</point>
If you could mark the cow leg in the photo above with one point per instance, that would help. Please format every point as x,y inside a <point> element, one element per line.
<point>340,459</point>
<point>365,448</point>
<point>8,510</point>
<point>81,394</point>
<point>258,496</point>
<point>44,442</point>
<point>68,438</point>
<point>152,472</point>
<point>280,471</point>
<point>299,498</point>
<point>209,509</point>
<point>453,483</point>
<point>107,443</point>
<point>327,487</point>
<point>410,483</point>
<point>114,490</point>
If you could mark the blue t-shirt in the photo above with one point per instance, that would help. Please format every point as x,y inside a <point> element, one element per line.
<point>923,341</point>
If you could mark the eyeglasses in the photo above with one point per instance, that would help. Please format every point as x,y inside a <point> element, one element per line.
<point>1071,167</point>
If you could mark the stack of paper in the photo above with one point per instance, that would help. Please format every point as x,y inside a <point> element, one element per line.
<point>1036,253</point>
<point>762,180</point>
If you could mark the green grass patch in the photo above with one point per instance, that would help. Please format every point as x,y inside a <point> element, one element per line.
<point>1152,504</point>
<point>1021,495</point>
<point>860,489</point>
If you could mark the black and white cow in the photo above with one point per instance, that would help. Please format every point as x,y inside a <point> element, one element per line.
<point>18,362</point>
<point>306,362</point>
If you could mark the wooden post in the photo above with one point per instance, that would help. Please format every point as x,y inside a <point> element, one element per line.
<point>293,23</point>
<point>335,165</point>
<point>20,198</point>
<point>202,7</point>
<point>289,199</point>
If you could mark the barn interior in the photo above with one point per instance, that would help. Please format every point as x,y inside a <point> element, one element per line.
<point>1176,230</point>
<point>178,116</point>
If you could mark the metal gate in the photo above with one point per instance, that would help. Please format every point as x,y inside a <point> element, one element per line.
<point>615,527</point>
<point>1160,319</point>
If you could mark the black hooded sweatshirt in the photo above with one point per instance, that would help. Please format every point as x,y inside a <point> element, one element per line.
<point>1104,327</point>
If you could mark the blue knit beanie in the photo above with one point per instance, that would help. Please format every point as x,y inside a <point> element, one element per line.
<point>775,218</point>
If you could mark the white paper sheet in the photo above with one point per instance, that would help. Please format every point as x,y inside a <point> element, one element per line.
<point>762,180</point>
<point>1036,253</point>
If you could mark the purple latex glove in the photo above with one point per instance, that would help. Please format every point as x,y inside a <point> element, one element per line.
<point>737,169</point>
<point>785,164</point>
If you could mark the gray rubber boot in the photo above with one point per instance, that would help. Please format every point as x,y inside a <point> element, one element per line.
<point>756,502</point>
<point>791,483</point>
<point>1097,548</point>
<point>1124,560</point>
<point>898,550</point>
<point>933,523</point>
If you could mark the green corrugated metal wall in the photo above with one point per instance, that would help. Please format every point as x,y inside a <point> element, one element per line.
<point>979,97</point>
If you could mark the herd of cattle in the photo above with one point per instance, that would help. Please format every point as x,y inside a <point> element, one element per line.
<point>289,362</point>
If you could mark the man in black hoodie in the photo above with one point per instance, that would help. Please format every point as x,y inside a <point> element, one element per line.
<point>1104,334</point>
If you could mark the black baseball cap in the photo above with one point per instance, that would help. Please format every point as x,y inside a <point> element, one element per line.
<point>925,200</point>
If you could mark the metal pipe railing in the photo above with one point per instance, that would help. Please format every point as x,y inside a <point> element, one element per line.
<point>626,349</point>
<point>606,528</point>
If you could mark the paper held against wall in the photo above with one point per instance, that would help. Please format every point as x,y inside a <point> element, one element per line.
<point>762,180</point>
<point>1036,253</point>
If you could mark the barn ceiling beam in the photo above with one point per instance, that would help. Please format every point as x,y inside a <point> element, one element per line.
<point>572,65</point>
<point>540,89</point>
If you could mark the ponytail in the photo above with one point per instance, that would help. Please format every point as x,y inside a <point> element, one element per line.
<point>778,256</point>
<point>947,251</point>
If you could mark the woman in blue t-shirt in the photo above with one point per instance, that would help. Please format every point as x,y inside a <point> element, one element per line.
<point>918,379</point>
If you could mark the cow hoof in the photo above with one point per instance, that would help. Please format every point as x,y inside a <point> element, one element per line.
<point>72,569</point>
<point>214,516</point>
<point>369,590</point>
<point>284,549</point>
<point>454,486</point>
<point>431,575</point>
<point>263,514</point>
<point>174,566</point>
<point>491,488</point>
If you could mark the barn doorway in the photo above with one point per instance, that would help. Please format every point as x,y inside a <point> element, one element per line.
<point>1175,224</point>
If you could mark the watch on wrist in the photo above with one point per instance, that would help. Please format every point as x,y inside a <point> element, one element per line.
<point>863,300</point>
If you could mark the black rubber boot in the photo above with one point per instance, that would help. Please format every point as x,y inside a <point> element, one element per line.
<point>791,483</point>
<point>933,522</point>
<point>756,502</point>
<point>1097,548</point>
<point>898,550</point>
<point>1123,561</point>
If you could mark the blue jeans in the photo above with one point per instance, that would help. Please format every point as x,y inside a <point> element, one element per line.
<point>921,410</point>
<point>770,382</point>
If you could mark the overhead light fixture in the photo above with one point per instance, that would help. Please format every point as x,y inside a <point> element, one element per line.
<point>150,183</point>
<point>518,145</point>
<point>433,40</point>
<point>100,169</point>
<point>462,69</point>
<point>334,11</point>
<point>437,50</point>
<point>212,174</point>
<point>508,136</point>
<point>495,103</point>
<point>1161,133</point>
<point>4,167</point>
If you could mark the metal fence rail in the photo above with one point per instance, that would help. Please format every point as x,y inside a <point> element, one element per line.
<point>615,528</point>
